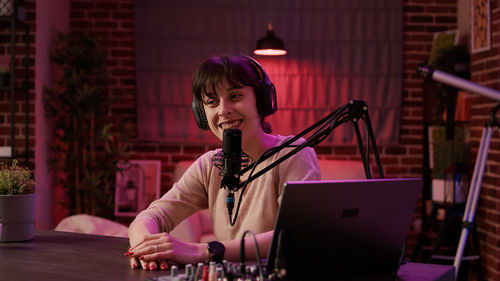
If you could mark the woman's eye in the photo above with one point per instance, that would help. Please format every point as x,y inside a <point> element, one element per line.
<point>210,102</point>
<point>236,95</point>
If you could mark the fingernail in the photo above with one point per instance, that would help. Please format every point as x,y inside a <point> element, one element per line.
<point>146,267</point>
<point>134,266</point>
<point>141,257</point>
<point>153,267</point>
<point>163,266</point>
<point>128,253</point>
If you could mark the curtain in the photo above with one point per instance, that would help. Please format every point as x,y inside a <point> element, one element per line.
<point>337,51</point>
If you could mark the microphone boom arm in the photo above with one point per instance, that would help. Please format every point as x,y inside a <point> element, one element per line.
<point>354,111</point>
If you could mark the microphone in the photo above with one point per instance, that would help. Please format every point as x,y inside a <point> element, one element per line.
<point>231,156</point>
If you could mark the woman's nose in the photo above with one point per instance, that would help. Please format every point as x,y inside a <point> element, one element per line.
<point>225,107</point>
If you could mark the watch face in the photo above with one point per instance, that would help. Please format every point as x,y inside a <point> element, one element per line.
<point>216,251</point>
<point>480,25</point>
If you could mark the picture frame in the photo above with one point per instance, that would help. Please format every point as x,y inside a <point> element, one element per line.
<point>480,26</point>
<point>137,185</point>
<point>445,40</point>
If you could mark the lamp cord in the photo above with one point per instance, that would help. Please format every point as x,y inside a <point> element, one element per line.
<point>269,15</point>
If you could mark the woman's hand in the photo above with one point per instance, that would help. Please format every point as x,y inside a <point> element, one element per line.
<point>158,250</point>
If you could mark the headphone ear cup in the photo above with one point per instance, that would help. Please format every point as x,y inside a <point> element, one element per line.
<point>265,91</point>
<point>273,101</point>
<point>266,103</point>
<point>199,115</point>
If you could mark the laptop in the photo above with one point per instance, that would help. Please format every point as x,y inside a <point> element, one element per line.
<point>343,230</point>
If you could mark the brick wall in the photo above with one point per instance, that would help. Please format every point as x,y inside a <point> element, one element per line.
<point>399,160</point>
<point>19,85</point>
<point>485,70</point>
<point>114,20</point>
<point>402,160</point>
<point>422,18</point>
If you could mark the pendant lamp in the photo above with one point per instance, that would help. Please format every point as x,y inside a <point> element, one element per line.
<point>270,45</point>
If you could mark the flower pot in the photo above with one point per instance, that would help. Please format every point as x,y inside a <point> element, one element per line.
<point>17,216</point>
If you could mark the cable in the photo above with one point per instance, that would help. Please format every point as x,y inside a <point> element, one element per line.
<point>326,127</point>
<point>247,181</point>
<point>367,142</point>
<point>303,133</point>
<point>279,260</point>
<point>257,253</point>
<point>353,110</point>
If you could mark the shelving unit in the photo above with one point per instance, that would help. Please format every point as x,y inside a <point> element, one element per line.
<point>12,18</point>
<point>441,225</point>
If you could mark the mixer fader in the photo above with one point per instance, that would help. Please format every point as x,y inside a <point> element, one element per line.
<point>212,272</point>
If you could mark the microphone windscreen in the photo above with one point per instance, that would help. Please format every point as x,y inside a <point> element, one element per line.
<point>231,142</point>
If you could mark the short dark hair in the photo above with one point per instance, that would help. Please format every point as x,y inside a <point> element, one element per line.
<point>238,70</point>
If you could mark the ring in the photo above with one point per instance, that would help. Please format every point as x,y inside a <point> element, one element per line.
<point>156,248</point>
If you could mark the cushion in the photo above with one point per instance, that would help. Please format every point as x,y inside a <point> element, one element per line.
<point>332,169</point>
<point>88,224</point>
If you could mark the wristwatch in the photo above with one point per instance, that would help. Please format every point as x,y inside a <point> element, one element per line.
<point>216,251</point>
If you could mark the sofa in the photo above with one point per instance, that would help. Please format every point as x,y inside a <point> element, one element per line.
<point>198,228</point>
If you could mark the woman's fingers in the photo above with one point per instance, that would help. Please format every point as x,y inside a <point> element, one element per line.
<point>133,263</point>
<point>154,242</point>
<point>146,240</point>
<point>153,265</point>
<point>146,265</point>
<point>150,247</point>
<point>153,252</point>
<point>163,265</point>
<point>145,254</point>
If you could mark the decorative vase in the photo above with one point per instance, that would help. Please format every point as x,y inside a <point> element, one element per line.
<point>17,216</point>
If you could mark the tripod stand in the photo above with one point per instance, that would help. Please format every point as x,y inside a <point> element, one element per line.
<point>475,186</point>
<point>482,155</point>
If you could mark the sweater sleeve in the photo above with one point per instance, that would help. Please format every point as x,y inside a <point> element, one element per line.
<point>186,196</point>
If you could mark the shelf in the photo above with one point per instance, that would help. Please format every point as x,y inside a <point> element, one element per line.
<point>11,25</point>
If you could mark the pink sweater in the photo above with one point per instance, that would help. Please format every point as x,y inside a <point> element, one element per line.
<point>199,188</point>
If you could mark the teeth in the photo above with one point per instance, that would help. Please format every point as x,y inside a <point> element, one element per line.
<point>230,124</point>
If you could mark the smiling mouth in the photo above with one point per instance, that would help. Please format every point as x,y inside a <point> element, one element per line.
<point>230,124</point>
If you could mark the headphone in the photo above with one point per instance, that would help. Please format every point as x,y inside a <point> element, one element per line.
<point>265,96</point>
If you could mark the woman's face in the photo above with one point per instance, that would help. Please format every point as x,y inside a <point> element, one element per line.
<point>232,107</point>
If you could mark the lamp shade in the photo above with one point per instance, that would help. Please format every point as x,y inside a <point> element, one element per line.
<point>270,45</point>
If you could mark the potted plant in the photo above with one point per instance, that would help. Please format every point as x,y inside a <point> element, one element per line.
<point>88,141</point>
<point>17,203</point>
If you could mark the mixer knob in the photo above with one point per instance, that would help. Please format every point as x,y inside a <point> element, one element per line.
<point>173,271</point>
<point>189,270</point>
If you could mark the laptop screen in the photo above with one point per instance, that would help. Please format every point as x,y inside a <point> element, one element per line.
<point>343,229</point>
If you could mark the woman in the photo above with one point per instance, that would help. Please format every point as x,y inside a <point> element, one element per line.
<point>229,92</point>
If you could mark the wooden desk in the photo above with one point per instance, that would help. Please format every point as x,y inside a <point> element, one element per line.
<point>58,256</point>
